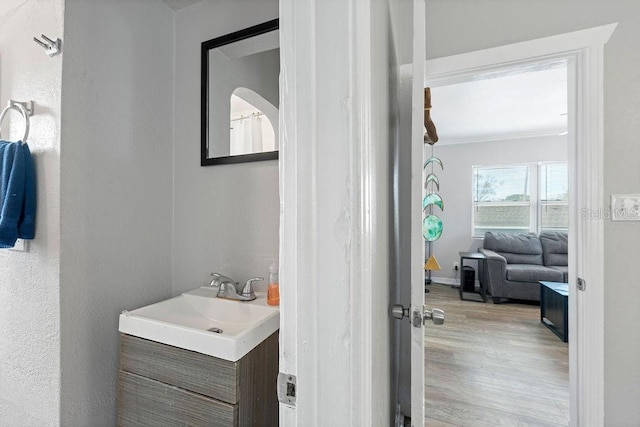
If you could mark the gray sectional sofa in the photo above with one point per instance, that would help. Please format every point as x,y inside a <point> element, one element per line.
<point>517,262</point>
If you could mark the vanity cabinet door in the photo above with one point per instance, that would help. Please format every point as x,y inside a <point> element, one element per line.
<point>146,402</point>
<point>186,369</point>
<point>161,385</point>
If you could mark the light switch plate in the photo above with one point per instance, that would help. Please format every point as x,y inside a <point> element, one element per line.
<point>20,246</point>
<point>625,207</point>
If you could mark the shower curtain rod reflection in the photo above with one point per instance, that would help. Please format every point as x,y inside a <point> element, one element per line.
<point>247,117</point>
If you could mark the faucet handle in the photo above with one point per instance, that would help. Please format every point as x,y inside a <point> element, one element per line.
<point>218,279</point>
<point>247,290</point>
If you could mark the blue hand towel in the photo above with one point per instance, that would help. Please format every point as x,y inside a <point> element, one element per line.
<point>27,222</point>
<point>17,193</point>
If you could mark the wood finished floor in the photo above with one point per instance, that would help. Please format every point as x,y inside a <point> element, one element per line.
<point>493,365</point>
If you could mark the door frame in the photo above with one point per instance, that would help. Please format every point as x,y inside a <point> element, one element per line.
<point>583,50</point>
<point>334,211</point>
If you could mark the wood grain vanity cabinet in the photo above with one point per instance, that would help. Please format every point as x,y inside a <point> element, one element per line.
<point>161,385</point>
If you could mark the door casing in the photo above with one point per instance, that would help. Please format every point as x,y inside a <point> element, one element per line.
<point>583,51</point>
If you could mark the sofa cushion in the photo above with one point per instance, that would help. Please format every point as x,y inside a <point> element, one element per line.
<point>532,273</point>
<point>516,248</point>
<point>554,248</point>
<point>564,269</point>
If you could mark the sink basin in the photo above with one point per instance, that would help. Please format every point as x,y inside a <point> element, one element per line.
<point>199,321</point>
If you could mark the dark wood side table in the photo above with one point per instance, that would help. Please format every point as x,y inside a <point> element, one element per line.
<point>481,290</point>
<point>554,308</point>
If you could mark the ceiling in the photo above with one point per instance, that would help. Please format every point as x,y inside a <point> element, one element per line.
<point>180,4</point>
<point>515,104</point>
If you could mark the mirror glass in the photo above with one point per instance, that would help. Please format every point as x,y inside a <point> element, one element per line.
<point>239,105</point>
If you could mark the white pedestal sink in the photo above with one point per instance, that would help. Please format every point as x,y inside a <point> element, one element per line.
<point>199,321</point>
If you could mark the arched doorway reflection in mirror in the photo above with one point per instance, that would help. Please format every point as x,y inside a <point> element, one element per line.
<point>252,121</point>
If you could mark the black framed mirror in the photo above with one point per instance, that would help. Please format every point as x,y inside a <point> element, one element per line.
<point>239,96</point>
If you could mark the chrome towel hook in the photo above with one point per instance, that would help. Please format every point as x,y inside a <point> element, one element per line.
<point>24,108</point>
<point>52,47</point>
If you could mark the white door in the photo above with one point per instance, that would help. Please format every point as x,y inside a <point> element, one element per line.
<point>417,241</point>
<point>419,316</point>
<point>416,312</point>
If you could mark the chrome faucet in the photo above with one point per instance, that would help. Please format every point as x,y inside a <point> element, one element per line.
<point>228,289</point>
<point>218,279</point>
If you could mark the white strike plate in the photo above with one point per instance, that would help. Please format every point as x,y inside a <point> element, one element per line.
<point>287,389</point>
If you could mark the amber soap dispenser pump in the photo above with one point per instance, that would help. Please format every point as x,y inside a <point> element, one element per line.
<point>273,290</point>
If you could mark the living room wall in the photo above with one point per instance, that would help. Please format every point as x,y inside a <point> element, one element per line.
<point>456,186</point>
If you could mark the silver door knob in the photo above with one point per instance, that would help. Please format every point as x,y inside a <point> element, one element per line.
<point>399,312</point>
<point>435,315</point>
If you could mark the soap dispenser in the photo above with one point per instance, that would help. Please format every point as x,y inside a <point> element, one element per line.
<point>273,290</point>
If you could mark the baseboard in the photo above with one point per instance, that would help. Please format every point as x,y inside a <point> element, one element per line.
<point>446,281</point>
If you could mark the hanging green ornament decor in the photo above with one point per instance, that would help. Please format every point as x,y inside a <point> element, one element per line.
<point>431,228</point>
<point>432,199</point>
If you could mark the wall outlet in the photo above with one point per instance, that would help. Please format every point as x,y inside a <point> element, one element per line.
<point>456,266</point>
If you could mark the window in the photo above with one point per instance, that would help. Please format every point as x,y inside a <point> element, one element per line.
<point>520,198</point>
<point>554,197</point>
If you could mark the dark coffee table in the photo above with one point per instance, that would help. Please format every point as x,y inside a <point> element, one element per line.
<point>554,310</point>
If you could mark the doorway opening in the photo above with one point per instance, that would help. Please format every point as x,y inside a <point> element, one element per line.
<point>503,142</point>
<point>251,123</point>
<point>584,52</point>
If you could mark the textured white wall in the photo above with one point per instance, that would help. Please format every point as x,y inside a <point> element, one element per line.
<point>467,25</point>
<point>225,217</point>
<point>116,188</point>
<point>455,186</point>
<point>29,282</point>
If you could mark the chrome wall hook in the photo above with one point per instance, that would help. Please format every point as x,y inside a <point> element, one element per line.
<point>52,47</point>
